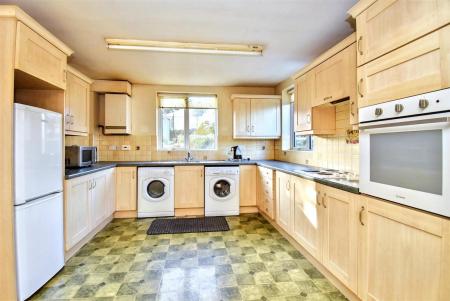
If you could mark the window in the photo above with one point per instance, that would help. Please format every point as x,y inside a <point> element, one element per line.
<point>187,122</point>
<point>290,140</point>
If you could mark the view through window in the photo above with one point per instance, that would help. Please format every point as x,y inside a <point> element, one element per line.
<point>187,122</point>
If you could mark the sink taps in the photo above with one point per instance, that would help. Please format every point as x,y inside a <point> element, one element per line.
<point>189,158</point>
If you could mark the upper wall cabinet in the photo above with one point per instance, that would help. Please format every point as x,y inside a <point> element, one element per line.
<point>308,119</point>
<point>37,57</point>
<point>335,77</point>
<point>330,78</point>
<point>256,116</point>
<point>386,25</point>
<point>77,103</point>
<point>115,114</point>
<point>419,67</point>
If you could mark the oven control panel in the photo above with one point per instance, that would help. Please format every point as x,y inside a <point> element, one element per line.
<point>433,102</point>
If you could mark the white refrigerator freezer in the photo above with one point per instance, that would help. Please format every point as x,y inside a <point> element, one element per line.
<point>38,186</point>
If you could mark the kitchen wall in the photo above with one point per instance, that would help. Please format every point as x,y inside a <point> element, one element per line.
<point>330,151</point>
<point>144,109</point>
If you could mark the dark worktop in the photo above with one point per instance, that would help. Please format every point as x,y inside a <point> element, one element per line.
<point>290,168</point>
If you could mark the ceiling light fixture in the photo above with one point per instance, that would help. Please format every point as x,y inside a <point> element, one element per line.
<point>208,48</point>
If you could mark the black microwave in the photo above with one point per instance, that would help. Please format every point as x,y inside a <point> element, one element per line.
<point>80,156</point>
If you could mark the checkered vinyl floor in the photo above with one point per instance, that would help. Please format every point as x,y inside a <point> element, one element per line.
<point>252,261</point>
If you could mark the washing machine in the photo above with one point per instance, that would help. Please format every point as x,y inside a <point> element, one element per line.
<point>156,192</point>
<point>221,190</point>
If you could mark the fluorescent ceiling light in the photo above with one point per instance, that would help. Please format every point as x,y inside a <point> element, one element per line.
<point>236,49</point>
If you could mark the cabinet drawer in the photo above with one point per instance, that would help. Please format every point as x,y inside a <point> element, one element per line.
<point>419,67</point>
<point>267,189</point>
<point>266,172</point>
<point>389,24</point>
<point>37,57</point>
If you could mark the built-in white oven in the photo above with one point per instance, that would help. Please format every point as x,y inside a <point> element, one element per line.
<point>405,149</point>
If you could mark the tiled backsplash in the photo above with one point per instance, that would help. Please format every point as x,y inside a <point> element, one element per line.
<point>328,151</point>
<point>144,148</point>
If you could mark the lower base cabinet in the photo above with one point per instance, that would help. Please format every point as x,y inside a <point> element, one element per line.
<point>89,201</point>
<point>404,254</point>
<point>126,186</point>
<point>189,179</point>
<point>377,249</point>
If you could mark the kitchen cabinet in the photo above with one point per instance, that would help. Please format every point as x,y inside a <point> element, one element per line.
<point>334,78</point>
<point>309,120</point>
<point>404,254</point>
<point>266,191</point>
<point>189,190</point>
<point>247,185</point>
<point>386,25</point>
<point>76,103</point>
<point>37,57</point>
<point>115,114</point>
<point>307,218</point>
<point>284,202</point>
<point>339,240</point>
<point>419,67</point>
<point>126,186</point>
<point>87,204</point>
<point>256,116</point>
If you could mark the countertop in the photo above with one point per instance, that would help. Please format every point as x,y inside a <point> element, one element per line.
<point>290,168</point>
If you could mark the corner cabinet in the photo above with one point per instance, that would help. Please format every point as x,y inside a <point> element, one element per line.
<point>77,97</point>
<point>88,202</point>
<point>256,116</point>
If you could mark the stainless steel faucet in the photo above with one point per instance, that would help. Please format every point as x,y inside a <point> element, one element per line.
<point>189,158</point>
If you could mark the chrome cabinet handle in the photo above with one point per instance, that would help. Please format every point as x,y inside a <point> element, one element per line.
<point>253,128</point>
<point>288,185</point>
<point>318,199</point>
<point>359,45</point>
<point>360,216</point>
<point>248,128</point>
<point>323,201</point>
<point>90,185</point>
<point>328,97</point>
<point>360,82</point>
<point>308,118</point>
<point>352,110</point>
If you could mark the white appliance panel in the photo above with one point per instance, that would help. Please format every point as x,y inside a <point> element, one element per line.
<point>38,153</point>
<point>39,242</point>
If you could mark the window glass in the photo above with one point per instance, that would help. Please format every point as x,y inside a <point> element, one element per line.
<point>187,122</point>
<point>172,128</point>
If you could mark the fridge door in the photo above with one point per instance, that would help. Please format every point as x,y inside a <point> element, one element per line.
<point>37,153</point>
<point>39,242</point>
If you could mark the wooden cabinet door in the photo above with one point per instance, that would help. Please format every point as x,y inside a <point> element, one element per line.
<point>419,67</point>
<point>266,118</point>
<point>241,117</point>
<point>98,203</point>
<point>111,191</point>
<point>332,78</point>
<point>37,57</point>
<point>389,24</point>
<point>247,185</point>
<point>404,253</point>
<point>76,210</point>
<point>189,187</point>
<point>77,104</point>
<point>340,224</point>
<point>304,94</point>
<point>307,223</point>
<point>126,189</point>
<point>283,201</point>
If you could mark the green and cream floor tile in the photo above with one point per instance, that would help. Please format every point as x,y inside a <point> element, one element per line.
<point>252,261</point>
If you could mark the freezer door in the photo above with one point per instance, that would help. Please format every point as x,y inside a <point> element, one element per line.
<point>39,242</point>
<point>37,153</point>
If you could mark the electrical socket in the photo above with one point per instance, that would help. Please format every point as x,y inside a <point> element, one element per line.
<point>125,147</point>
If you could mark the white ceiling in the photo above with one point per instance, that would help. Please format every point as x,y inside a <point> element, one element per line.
<point>293,32</point>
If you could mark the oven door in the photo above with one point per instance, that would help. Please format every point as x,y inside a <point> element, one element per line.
<point>407,163</point>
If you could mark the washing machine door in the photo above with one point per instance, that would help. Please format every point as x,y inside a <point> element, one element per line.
<point>156,190</point>
<point>222,188</point>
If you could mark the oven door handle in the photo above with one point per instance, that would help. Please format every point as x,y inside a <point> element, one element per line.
<point>399,123</point>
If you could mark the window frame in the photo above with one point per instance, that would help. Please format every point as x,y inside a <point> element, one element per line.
<point>187,143</point>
